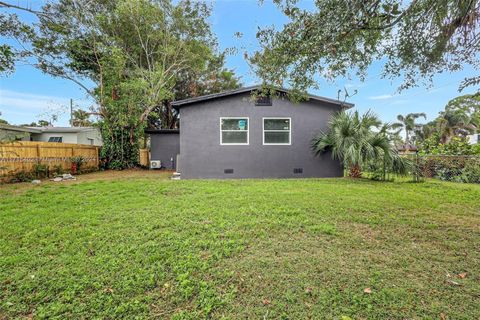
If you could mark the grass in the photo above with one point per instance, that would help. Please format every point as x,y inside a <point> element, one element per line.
<point>141,246</point>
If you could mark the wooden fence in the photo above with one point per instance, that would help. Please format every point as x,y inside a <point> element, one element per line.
<point>144,157</point>
<point>23,155</point>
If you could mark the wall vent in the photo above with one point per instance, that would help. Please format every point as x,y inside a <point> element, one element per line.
<point>228,171</point>
<point>297,170</point>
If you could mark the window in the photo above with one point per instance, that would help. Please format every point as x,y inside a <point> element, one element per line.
<point>233,131</point>
<point>264,100</point>
<point>277,131</point>
<point>55,139</point>
<point>91,141</point>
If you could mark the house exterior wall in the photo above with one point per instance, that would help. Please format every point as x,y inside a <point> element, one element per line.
<point>91,137</point>
<point>202,156</point>
<point>66,137</point>
<point>473,138</point>
<point>165,147</point>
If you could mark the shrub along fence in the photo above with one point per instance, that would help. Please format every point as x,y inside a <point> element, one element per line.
<point>456,168</point>
<point>26,157</point>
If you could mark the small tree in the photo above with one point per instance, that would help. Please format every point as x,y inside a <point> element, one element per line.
<point>352,138</point>
<point>81,118</point>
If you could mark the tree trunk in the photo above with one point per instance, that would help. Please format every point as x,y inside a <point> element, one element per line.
<point>355,171</point>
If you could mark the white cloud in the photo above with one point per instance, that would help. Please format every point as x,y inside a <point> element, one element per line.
<point>354,85</point>
<point>381,97</point>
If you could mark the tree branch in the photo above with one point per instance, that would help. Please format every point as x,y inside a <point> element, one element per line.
<point>12,6</point>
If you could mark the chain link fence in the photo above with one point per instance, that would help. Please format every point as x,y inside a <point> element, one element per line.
<point>455,168</point>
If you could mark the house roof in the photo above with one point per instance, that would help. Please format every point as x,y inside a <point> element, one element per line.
<point>189,101</point>
<point>19,128</point>
<point>63,129</point>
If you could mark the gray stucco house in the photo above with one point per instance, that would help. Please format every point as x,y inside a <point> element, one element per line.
<point>232,135</point>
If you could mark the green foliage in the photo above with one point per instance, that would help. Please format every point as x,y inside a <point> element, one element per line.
<point>414,39</point>
<point>22,176</point>
<point>40,171</point>
<point>407,123</point>
<point>58,170</point>
<point>120,148</point>
<point>238,249</point>
<point>456,146</point>
<point>7,58</point>
<point>469,104</point>
<point>460,118</point>
<point>212,78</point>
<point>81,118</point>
<point>12,28</point>
<point>471,172</point>
<point>1,120</point>
<point>352,138</point>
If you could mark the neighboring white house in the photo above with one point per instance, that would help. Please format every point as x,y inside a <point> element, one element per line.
<point>474,138</point>
<point>77,135</point>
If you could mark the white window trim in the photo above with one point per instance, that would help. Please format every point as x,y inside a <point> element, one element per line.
<point>289,131</point>
<point>234,144</point>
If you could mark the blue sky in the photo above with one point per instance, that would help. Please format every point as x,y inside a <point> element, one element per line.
<point>28,95</point>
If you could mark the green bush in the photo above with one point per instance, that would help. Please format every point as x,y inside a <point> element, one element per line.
<point>457,146</point>
<point>450,168</point>
<point>40,171</point>
<point>22,176</point>
<point>471,173</point>
<point>58,170</point>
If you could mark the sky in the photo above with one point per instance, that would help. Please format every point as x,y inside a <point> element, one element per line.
<point>27,95</point>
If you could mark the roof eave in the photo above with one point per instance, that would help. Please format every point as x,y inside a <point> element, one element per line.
<point>189,101</point>
<point>19,129</point>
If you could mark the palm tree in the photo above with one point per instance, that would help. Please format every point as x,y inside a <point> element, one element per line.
<point>407,123</point>
<point>81,118</point>
<point>453,123</point>
<point>356,140</point>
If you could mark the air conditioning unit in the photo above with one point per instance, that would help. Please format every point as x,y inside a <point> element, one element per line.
<point>155,164</point>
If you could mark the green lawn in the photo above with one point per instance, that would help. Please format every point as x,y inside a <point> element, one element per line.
<point>141,246</point>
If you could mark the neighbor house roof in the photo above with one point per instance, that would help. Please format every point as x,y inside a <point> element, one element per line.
<point>63,129</point>
<point>19,128</point>
<point>189,101</point>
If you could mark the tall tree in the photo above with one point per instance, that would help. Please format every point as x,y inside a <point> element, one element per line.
<point>469,104</point>
<point>453,123</point>
<point>213,78</point>
<point>407,123</point>
<point>132,51</point>
<point>460,117</point>
<point>414,39</point>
